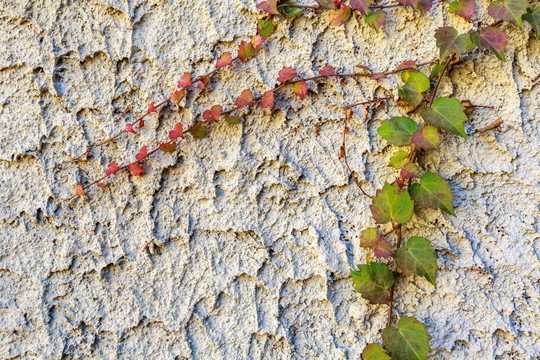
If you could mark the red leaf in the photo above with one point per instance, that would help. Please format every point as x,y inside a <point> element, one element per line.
<point>143,153</point>
<point>102,184</point>
<point>257,41</point>
<point>213,114</point>
<point>245,99</point>
<point>185,81</point>
<point>300,89</point>
<point>412,3</point>
<point>408,64</point>
<point>152,108</point>
<point>327,71</point>
<point>80,190</point>
<point>112,168</point>
<point>135,169</point>
<point>224,60</point>
<point>361,5</point>
<point>167,147</point>
<point>286,74</point>
<point>363,67</point>
<point>270,6</point>
<point>203,82</point>
<point>177,132</point>
<point>268,99</point>
<point>177,95</point>
<point>378,76</point>
<point>245,51</point>
<point>141,124</point>
<point>129,128</point>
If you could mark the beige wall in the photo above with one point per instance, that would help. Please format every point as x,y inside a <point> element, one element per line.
<point>74,277</point>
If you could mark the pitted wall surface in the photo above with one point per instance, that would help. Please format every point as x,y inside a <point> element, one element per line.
<point>239,245</point>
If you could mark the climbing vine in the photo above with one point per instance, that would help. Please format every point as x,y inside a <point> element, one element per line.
<point>412,188</point>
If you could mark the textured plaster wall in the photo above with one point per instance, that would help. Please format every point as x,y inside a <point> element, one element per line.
<point>254,228</point>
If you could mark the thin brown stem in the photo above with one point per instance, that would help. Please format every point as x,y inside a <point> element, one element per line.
<point>256,100</point>
<point>391,299</point>
<point>434,93</point>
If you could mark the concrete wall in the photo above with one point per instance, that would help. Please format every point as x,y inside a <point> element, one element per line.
<point>253,229</point>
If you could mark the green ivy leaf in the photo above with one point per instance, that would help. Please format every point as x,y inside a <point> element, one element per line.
<point>399,159</point>
<point>398,130</point>
<point>533,17</point>
<point>508,10</point>
<point>231,119</point>
<point>293,11</point>
<point>374,352</point>
<point>265,28</point>
<point>436,70</point>
<point>199,130</point>
<point>373,281</point>
<point>490,38</point>
<point>419,258</point>
<point>447,114</point>
<point>449,41</point>
<point>416,83</point>
<point>433,192</point>
<point>427,139</point>
<point>375,19</point>
<point>410,341</point>
<point>391,204</point>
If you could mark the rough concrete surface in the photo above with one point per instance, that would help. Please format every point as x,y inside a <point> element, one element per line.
<point>238,246</point>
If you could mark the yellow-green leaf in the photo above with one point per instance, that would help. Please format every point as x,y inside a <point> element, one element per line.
<point>410,341</point>
<point>391,204</point>
<point>418,257</point>
<point>447,114</point>
<point>374,352</point>
<point>373,281</point>
<point>433,192</point>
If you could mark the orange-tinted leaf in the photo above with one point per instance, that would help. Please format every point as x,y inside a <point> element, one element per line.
<point>287,73</point>
<point>112,168</point>
<point>257,41</point>
<point>268,99</point>
<point>245,99</point>
<point>224,60</point>
<point>245,51</point>
<point>135,169</point>
<point>143,153</point>
<point>300,89</point>
<point>203,82</point>
<point>185,81</point>
<point>80,190</point>
<point>177,95</point>
<point>339,16</point>
<point>213,114</point>
<point>177,132</point>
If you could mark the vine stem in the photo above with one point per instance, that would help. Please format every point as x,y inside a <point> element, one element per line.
<point>140,118</point>
<point>391,300</point>
<point>255,100</point>
<point>439,78</point>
